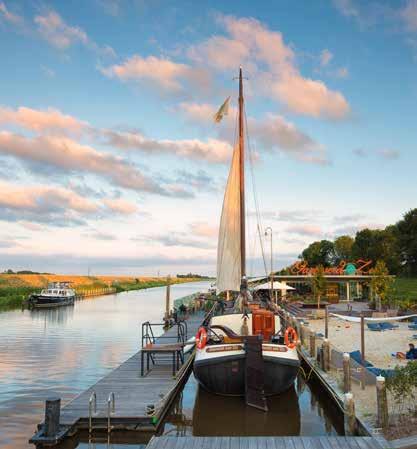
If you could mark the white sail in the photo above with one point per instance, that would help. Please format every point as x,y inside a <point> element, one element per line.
<point>228,249</point>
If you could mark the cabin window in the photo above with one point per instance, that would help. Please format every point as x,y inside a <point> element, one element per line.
<point>49,291</point>
<point>55,292</point>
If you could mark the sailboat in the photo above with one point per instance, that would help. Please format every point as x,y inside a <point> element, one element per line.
<point>245,352</point>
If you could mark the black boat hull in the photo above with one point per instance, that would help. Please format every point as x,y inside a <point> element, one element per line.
<point>226,375</point>
<point>39,301</point>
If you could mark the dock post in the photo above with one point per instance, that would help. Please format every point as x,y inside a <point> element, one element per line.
<point>313,344</point>
<point>346,373</point>
<point>52,414</point>
<point>350,418</point>
<point>168,298</point>
<point>326,355</point>
<point>382,403</point>
<point>363,351</point>
<point>302,335</point>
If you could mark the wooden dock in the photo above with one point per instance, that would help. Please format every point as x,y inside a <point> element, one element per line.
<point>140,402</point>
<point>317,442</point>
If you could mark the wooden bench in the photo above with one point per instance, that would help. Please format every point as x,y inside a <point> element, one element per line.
<point>151,349</point>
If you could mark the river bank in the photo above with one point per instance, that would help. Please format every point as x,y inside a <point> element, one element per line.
<point>15,288</point>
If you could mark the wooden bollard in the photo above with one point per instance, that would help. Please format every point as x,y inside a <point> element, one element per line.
<point>347,386</point>
<point>382,403</point>
<point>52,413</point>
<point>313,344</point>
<point>326,355</point>
<point>350,418</point>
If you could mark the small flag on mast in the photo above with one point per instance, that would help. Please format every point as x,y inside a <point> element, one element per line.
<point>223,110</point>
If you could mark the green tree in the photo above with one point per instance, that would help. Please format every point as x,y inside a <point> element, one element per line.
<point>381,283</point>
<point>343,248</point>
<point>379,244</point>
<point>319,253</point>
<point>407,239</point>
<point>319,284</point>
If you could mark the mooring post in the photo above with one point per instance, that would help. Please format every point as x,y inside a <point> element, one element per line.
<point>312,344</point>
<point>168,298</point>
<point>363,351</point>
<point>52,413</point>
<point>326,355</point>
<point>346,373</point>
<point>382,403</point>
<point>350,418</point>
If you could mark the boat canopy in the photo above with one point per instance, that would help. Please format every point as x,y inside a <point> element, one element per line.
<point>275,286</point>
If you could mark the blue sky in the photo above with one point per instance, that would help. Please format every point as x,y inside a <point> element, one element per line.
<point>109,156</point>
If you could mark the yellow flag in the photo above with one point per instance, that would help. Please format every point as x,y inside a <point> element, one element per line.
<point>223,110</point>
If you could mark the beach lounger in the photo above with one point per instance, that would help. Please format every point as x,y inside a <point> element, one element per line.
<point>388,326</point>
<point>413,326</point>
<point>374,326</point>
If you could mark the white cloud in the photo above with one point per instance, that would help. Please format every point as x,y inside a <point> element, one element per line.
<point>53,28</point>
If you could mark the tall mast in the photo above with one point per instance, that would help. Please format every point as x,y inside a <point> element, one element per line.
<point>242,180</point>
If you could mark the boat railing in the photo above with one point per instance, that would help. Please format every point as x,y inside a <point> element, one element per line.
<point>92,409</point>
<point>111,408</point>
<point>148,332</point>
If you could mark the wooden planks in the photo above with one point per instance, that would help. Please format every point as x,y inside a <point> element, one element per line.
<point>323,442</point>
<point>133,393</point>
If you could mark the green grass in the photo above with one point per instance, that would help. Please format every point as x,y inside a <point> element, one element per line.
<point>127,286</point>
<point>14,297</point>
<point>405,288</point>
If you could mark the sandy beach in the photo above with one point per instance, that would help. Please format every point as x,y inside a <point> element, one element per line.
<point>379,346</point>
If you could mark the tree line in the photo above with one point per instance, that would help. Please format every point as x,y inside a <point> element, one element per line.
<point>396,246</point>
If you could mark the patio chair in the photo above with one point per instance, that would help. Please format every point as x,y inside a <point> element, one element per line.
<point>374,326</point>
<point>388,326</point>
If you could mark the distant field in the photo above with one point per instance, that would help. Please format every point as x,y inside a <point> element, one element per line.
<point>15,288</point>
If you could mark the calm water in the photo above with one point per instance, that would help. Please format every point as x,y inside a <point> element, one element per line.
<point>66,350</point>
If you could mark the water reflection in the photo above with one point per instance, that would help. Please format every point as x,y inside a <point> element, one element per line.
<point>65,350</point>
<point>302,410</point>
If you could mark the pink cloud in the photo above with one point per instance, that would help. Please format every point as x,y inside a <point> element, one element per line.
<point>9,16</point>
<point>121,206</point>
<point>272,132</point>
<point>213,150</point>
<point>160,71</point>
<point>42,197</point>
<point>202,229</point>
<point>310,97</point>
<point>325,57</point>
<point>272,64</point>
<point>305,229</point>
<point>54,30</point>
<point>50,120</point>
<point>67,154</point>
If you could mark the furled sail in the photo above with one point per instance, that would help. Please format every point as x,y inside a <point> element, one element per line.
<point>228,249</point>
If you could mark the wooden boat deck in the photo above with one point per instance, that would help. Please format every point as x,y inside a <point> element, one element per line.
<point>322,442</point>
<point>133,393</point>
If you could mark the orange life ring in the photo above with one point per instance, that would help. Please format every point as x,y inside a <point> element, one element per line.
<point>201,338</point>
<point>290,337</point>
